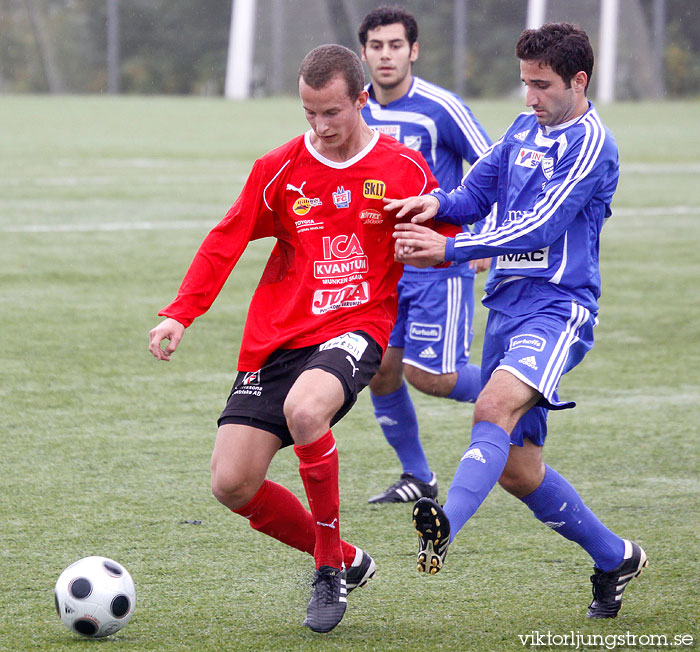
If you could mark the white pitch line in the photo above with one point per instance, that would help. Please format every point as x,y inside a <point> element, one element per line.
<point>108,226</point>
<point>146,162</point>
<point>80,181</point>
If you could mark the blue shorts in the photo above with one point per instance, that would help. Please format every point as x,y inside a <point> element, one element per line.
<point>434,323</point>
<point>538,349</point>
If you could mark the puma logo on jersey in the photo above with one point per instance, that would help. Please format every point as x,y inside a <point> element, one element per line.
<point>303,204</point>
<point>300,189</point>
<point>354,368</point>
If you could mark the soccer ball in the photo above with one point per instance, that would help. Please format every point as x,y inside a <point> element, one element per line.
<point>95,597</point>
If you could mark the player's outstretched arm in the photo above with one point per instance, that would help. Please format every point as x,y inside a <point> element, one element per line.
<point>169,329</point>
<point>423,207</point>
<point>419,246</point>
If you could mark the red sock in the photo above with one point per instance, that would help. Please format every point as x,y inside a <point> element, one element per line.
<point>277,512</point>
<point>318,467</point>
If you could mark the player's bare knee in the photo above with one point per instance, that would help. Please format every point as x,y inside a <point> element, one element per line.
<point>489,407</point>
<point>222,490</point>
<point>520,480</point>
<point>416,379</point>
<point>432,384</point>
<point>304,418</point>
<point>232,490</point>
<point>512,483</point>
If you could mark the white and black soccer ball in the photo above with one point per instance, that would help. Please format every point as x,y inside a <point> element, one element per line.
<point>95,597</point>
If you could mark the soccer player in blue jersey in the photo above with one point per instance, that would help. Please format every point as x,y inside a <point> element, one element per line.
<point>553,175</point>
<point>431,339</point>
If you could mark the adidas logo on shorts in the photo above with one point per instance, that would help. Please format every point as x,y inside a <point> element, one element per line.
<point>473,454</point>
<point>428,353</point>
<point>529,361</point>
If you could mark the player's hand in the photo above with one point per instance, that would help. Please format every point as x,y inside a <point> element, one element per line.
<point>421,208</point>
<point>418,246</point>
<point>169,329</point>
<point>480,265</point>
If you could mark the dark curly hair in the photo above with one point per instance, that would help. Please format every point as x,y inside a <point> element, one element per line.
<point>563,47</point>
<point>388,15</point>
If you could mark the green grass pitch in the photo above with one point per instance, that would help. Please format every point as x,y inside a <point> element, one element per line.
<point>105,451</point>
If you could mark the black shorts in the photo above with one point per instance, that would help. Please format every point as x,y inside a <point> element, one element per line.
<point>257,397</point>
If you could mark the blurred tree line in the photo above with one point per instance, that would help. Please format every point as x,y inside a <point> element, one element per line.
<point>180,46</point>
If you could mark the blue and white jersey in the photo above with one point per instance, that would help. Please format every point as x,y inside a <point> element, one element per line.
<point>438,124</point>
<point>553,189</point>
<point>435,122</point>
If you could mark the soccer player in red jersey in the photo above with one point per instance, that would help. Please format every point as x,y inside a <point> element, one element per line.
<point>318,322</point>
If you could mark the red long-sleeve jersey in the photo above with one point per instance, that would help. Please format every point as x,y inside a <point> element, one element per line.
<point>332,269</point>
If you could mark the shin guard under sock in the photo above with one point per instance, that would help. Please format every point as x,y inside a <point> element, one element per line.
<point>557,504</point>
<point>277,512</point>
<point>318,467</point>
<point>477,473</point>
<point>397,418</point>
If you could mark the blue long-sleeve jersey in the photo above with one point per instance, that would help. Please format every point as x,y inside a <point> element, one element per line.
<point>553,193</point>
<point>438,124</point>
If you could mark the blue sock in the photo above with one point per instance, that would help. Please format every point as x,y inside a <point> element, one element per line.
<point>556,503</point>
<point>477,473</point>
<point>397,418</point>
<point>468,384</point>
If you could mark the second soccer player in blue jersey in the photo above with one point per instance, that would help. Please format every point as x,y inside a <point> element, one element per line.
<point>553,175</point>
<point>431,339</point>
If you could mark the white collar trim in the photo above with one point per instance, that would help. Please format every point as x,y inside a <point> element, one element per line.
<point>337,165</point>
